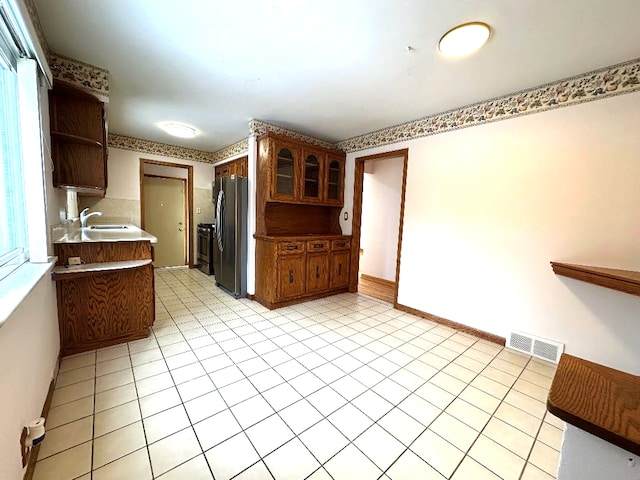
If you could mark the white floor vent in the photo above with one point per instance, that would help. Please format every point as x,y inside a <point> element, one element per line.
<point>536,346</point>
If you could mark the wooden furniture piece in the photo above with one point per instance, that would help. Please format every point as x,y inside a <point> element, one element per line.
<point>107,300</point>
<point>78,140</point>
<point>300,250</point>
<point>291,269</point>
<point>622,280</point>
<point>236,167</point>
<point>298,172</point>
<point>598,399</point>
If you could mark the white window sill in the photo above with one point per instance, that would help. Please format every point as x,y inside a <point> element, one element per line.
<point>15,288</point>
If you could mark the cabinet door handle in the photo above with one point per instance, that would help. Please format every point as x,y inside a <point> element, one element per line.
<point>290,276</point>
<point>317,271</point>
<point>292,247</point>
<point>339,269</point>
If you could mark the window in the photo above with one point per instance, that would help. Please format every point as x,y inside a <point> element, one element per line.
<point>13,229</point>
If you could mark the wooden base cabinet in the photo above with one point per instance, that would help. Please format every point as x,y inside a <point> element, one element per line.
<point>296,269</point>
<point>107,300</point>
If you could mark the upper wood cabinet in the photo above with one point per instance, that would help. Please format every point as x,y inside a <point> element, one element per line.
<point>312,185</point>
<point>334,180</point>
<point>236,167</point>
<point>78,140</point>
<point>285,171</point>
<point>299,172</point>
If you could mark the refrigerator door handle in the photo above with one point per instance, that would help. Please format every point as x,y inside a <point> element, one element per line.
<point>220,220</point>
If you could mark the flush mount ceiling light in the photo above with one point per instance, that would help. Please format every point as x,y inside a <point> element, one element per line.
<point>464,39</point>
<point>179,129</point>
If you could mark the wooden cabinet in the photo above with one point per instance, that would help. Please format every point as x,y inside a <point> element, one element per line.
<point>299,172</point>
<point>291,276</point>
<point>236,167</point>
<point>290,270</point>
<point>285,171</point>
<point>312,175</point>
<point>107,300</point>
<point>300,250</point>
<point>317,265</point>
<point>334,180</point>
<point>78,140</point>
<point>340,269</point>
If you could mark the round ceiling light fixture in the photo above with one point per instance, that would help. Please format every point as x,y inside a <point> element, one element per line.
<point>179,129</point>
<point>464,39</point>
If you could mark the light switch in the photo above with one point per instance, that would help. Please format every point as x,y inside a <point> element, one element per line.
<point>198,210</point>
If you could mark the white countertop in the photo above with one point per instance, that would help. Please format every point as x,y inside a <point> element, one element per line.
<point>131,233</point>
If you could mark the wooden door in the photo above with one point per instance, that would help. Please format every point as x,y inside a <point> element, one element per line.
<point>291,276</point>
<point>285,170</point>
<point>334,181</point>
<point>317,272</point>
<point>339,269</point>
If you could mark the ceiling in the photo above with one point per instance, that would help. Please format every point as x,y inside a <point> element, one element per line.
<point>332,69</point>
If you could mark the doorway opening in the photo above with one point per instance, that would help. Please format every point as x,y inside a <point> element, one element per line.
<point>166,210</point>
<point>378,217</point>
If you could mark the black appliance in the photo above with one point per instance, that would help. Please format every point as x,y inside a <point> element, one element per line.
<point>206,238</point>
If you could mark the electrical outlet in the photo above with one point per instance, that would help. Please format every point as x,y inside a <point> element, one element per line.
<point>75,261</point>
<point>198,210</point>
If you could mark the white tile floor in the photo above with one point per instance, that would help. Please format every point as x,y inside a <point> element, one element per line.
<point>344,388</point>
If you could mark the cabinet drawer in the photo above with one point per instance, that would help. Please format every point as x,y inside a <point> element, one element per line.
<point>340,244</point>
<point>285,248</point>
<point>317,245</point>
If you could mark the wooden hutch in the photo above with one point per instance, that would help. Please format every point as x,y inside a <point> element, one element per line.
<point>301,253</point>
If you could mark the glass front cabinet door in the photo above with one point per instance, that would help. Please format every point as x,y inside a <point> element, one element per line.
<point>312,163</point>
<point>334,179</point>
<point>285,171</point>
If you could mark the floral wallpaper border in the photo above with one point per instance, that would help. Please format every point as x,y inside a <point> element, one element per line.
<point>89,77</point>
<point>234,149</point>
<point>147,146</point>
<point>258,127</point>
<point>599,84</point>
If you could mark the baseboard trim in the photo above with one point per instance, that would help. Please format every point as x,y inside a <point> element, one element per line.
<point>250,296</point>
<point>458,326</point>
<point>381,281</point>
<point>33,455</point>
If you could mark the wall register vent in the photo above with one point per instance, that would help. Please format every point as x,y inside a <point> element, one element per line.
<point>538,347</point>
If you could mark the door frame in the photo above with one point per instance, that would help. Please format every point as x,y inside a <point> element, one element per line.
<point>357,215</point>
<point>188,205</point>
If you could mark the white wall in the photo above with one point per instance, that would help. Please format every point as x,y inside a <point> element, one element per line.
<point>29,341</point>
<point>588,457</point>
<point>487,208</point>
<point>29,346</point>
<point>381,198</point>
<point>124,172</point>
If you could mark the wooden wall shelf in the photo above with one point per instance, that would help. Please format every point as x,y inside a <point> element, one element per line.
<point>622,280</point>
<point>598,399</point>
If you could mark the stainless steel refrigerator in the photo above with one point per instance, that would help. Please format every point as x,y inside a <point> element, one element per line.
<point>230,247</point>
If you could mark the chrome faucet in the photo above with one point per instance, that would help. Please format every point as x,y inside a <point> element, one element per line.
<point>84,216</point>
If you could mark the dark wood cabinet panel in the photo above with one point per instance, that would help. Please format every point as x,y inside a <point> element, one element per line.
<point>312,175</point>
<point>340,269</point>
<point>106,308</point>
<point>78,140</point>
<point>334,180</point>
<point>291,276</point>
<point>236,167</point>
<point>294,269</point>
<point>317,272</point>
<point>101,307</point>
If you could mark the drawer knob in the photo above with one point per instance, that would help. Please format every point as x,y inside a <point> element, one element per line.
<point>292,247</point>
<point>318,245</point>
